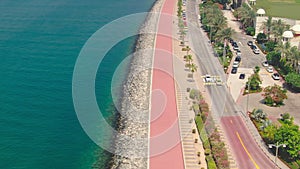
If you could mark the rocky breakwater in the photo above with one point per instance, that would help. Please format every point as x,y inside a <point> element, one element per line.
<point>131,143</point>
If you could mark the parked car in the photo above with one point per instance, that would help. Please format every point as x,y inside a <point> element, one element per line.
<point>238,59</point>
<point>265,63</point>
<point>253,47</point>
<point>276,76</point>
<point>250,43</point>
<point>270,69</point>
<point>235,64</point>
<point>242,76</point>
<point>256,51</point>
<point>238,53</point>
<point>234,70</point>
<point>235,47</point>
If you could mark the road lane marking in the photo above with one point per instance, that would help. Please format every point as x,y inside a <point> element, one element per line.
<point>256,166</point>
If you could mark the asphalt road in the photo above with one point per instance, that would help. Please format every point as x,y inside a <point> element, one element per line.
<point>245,149</point>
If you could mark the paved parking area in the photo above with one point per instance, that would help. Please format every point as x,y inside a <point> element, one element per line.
<point>236,85</point>
<point>249,59</point>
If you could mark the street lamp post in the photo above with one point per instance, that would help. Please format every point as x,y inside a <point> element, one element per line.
<point>277,146</point>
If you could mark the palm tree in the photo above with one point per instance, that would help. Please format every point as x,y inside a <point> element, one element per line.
<point>187,49</point>
<point>267,26</point>
<point>218,24</point>
<point>258,114</point>
<point>278,27</point>
<point>294,58</point>
<point>223,35</point>
<point>189,59</point>
<point>284,49</point>
<point>247,15</point>
<point>193,68</point>
<point>237,13</point>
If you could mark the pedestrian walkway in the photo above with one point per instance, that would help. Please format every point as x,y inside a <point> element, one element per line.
<point>231,21</point>
<point>193,151</point>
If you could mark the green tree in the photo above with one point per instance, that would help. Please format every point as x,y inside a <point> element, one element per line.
<point>293,79</point>
<point>274,95</point>
<point>254,82</point>
<point>290,136</point>
<point>269,133</point>
<point>250,31</point>
<point>270,46</point>
<point>274,58</point>
<point>287,119</point>
<point>261,38</point>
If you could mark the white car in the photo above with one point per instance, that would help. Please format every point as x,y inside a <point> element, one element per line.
<point>256,51</point>
<point>276,76</point>
<point>270,69</point>
<point>238,53</point>
<point>265,63</point>
<point>219,82</point>
<point>236,47</point>
<point>208,79</point>
<point>235,64</point>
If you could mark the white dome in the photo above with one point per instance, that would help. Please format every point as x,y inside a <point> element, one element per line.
<point>296,29</point>
<point>288,34</point>
<point>261,11</point>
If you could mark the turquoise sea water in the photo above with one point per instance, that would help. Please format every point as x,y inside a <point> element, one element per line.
<point>39,43</point>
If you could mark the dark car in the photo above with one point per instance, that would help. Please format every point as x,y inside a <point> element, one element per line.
<point>234,43</point>
<point>242,76</point>
<point>253,47</point>
<point>235,47</point>
<point>238,59</point>
<point>234,70</point>
<point>250,43</point>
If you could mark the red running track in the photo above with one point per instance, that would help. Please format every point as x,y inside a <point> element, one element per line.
<point>165,142</point>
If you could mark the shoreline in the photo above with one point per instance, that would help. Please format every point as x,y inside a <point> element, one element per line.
<point>132,121</point>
